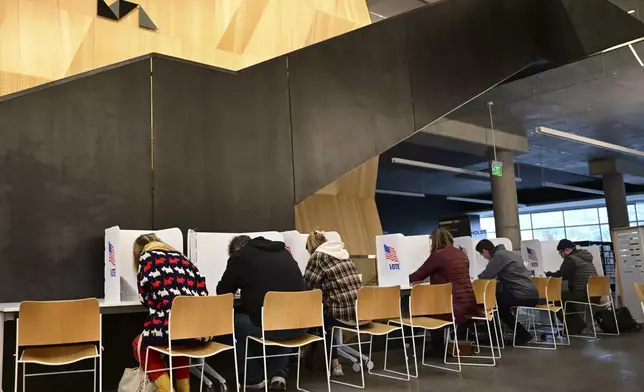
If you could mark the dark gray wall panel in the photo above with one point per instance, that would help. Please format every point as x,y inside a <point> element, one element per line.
<point>74,160</point>
<point>351,99</point>
<point>458,49</point>
<point>222,153</point>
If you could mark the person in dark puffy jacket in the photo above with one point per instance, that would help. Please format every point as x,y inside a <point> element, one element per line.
<point>577,268</point>
<point>448,264</point>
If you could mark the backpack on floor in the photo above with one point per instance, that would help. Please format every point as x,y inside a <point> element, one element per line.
<point>625,321</point>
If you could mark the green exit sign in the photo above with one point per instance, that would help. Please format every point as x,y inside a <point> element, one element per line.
<point>497,168</point>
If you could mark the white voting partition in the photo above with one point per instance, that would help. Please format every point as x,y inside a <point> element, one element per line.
<point>120,277</point>
<point>209,251</point>
<point>542,256</point>
<point>629,260</point>
<point>478,262</point>
<point>399,256</point>
<point>595,250</point>
<point>296,244</point>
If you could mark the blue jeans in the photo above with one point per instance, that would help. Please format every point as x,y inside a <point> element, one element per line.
<point>329,323</point>
<point>277,366</point>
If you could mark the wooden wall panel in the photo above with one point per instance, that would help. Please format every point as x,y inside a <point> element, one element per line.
<point>346,206</point>
<point>44,40</point>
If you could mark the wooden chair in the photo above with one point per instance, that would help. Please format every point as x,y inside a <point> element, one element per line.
<point>194,317</point>
<point>549,289</point>
<point>639,290</point>
<point>488,300</point>
<point>598,286</point>
<point>479,287</point>
<point>287,311</point>
<point>56,333</point>
<point>430,300</point>
<point>377,303</point>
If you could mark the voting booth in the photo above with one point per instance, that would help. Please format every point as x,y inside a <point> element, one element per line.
<point>209,251</point>
<point>398,256</point>
<point>542,256</point>
<point>296,244</point>
<point>120,276</point>
<point>478,262</point>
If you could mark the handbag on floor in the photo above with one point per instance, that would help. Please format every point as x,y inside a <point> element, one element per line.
<point>625,321</point>
<point>132,379</point>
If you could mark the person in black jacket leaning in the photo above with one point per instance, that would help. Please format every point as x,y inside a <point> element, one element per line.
<point>577,268</point>
<point>257,266</point>
<point>514,288</point>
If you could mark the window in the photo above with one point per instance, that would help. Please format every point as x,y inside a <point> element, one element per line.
<point>585,216</point>
<point>632,214</point>
<point>547,219</point>
<point>525,222</point>
<point>549,234</point>
<point>639,208</point>
<point>526,235</point>
<point>487,224</point>
<point>584,233</point>
<point>603,215</point>
<point>605,231</point>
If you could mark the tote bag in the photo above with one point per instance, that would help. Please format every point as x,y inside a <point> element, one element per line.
<point>132,380</point>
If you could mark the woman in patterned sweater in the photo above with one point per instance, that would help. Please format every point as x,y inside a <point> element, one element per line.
<point>331,270</point>
<point>163,273</point>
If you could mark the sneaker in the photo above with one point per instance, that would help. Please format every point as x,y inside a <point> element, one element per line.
<point>277,384</point>
<point>336,371</point>
<point>256,385</point>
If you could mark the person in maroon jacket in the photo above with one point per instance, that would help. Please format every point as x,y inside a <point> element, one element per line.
<point>447,264</point>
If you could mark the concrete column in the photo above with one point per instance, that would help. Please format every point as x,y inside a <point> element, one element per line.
<point>616,204</point>
<point>504,198</point>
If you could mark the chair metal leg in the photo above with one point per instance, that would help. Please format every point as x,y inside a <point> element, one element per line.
<point>95,374</point>
<point>246,363</point>
<point>203,367</point>
<point>236,366</point>
<point>362,365</point>
<point>265,367</point>
<point>15,382</point>
<point>145,370</point>
<point>327,357</point>
<point>171,372</point>
<point>24,377</point>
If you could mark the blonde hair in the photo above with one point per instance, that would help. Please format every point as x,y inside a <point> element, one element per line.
<point>147,242</point>
<point>441,239</point>
<point>315,239</point>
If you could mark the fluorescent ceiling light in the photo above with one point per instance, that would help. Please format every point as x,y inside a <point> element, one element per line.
<point>637,57</point>
<point>378,15</point>
<point>631,11</point>
<point>477,201</point>
<point>622,45</point>
<point>400,193</point>
<point>451,169</point>
<point>572,188</point>
<point>591,142</point>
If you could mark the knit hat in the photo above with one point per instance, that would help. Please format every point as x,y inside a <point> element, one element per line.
<point>566,244</point>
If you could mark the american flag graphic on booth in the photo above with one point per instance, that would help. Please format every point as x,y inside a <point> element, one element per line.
<point>111,255</point>
<point>532,254</point>
<point>390,254</point>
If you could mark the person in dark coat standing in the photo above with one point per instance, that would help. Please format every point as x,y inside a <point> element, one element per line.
<point>448,264</point>
<point>577,268</point>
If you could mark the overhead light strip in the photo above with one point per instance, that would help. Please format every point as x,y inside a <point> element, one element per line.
<point>622,45</point>
<point>572,188</point>
<point>399,193</point>
<point>637,57</point>
<point>451,169</point>
<point>588,141</point>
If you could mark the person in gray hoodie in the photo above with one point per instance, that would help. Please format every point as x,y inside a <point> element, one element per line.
<point>577,268</point>
<point>514,288</point>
